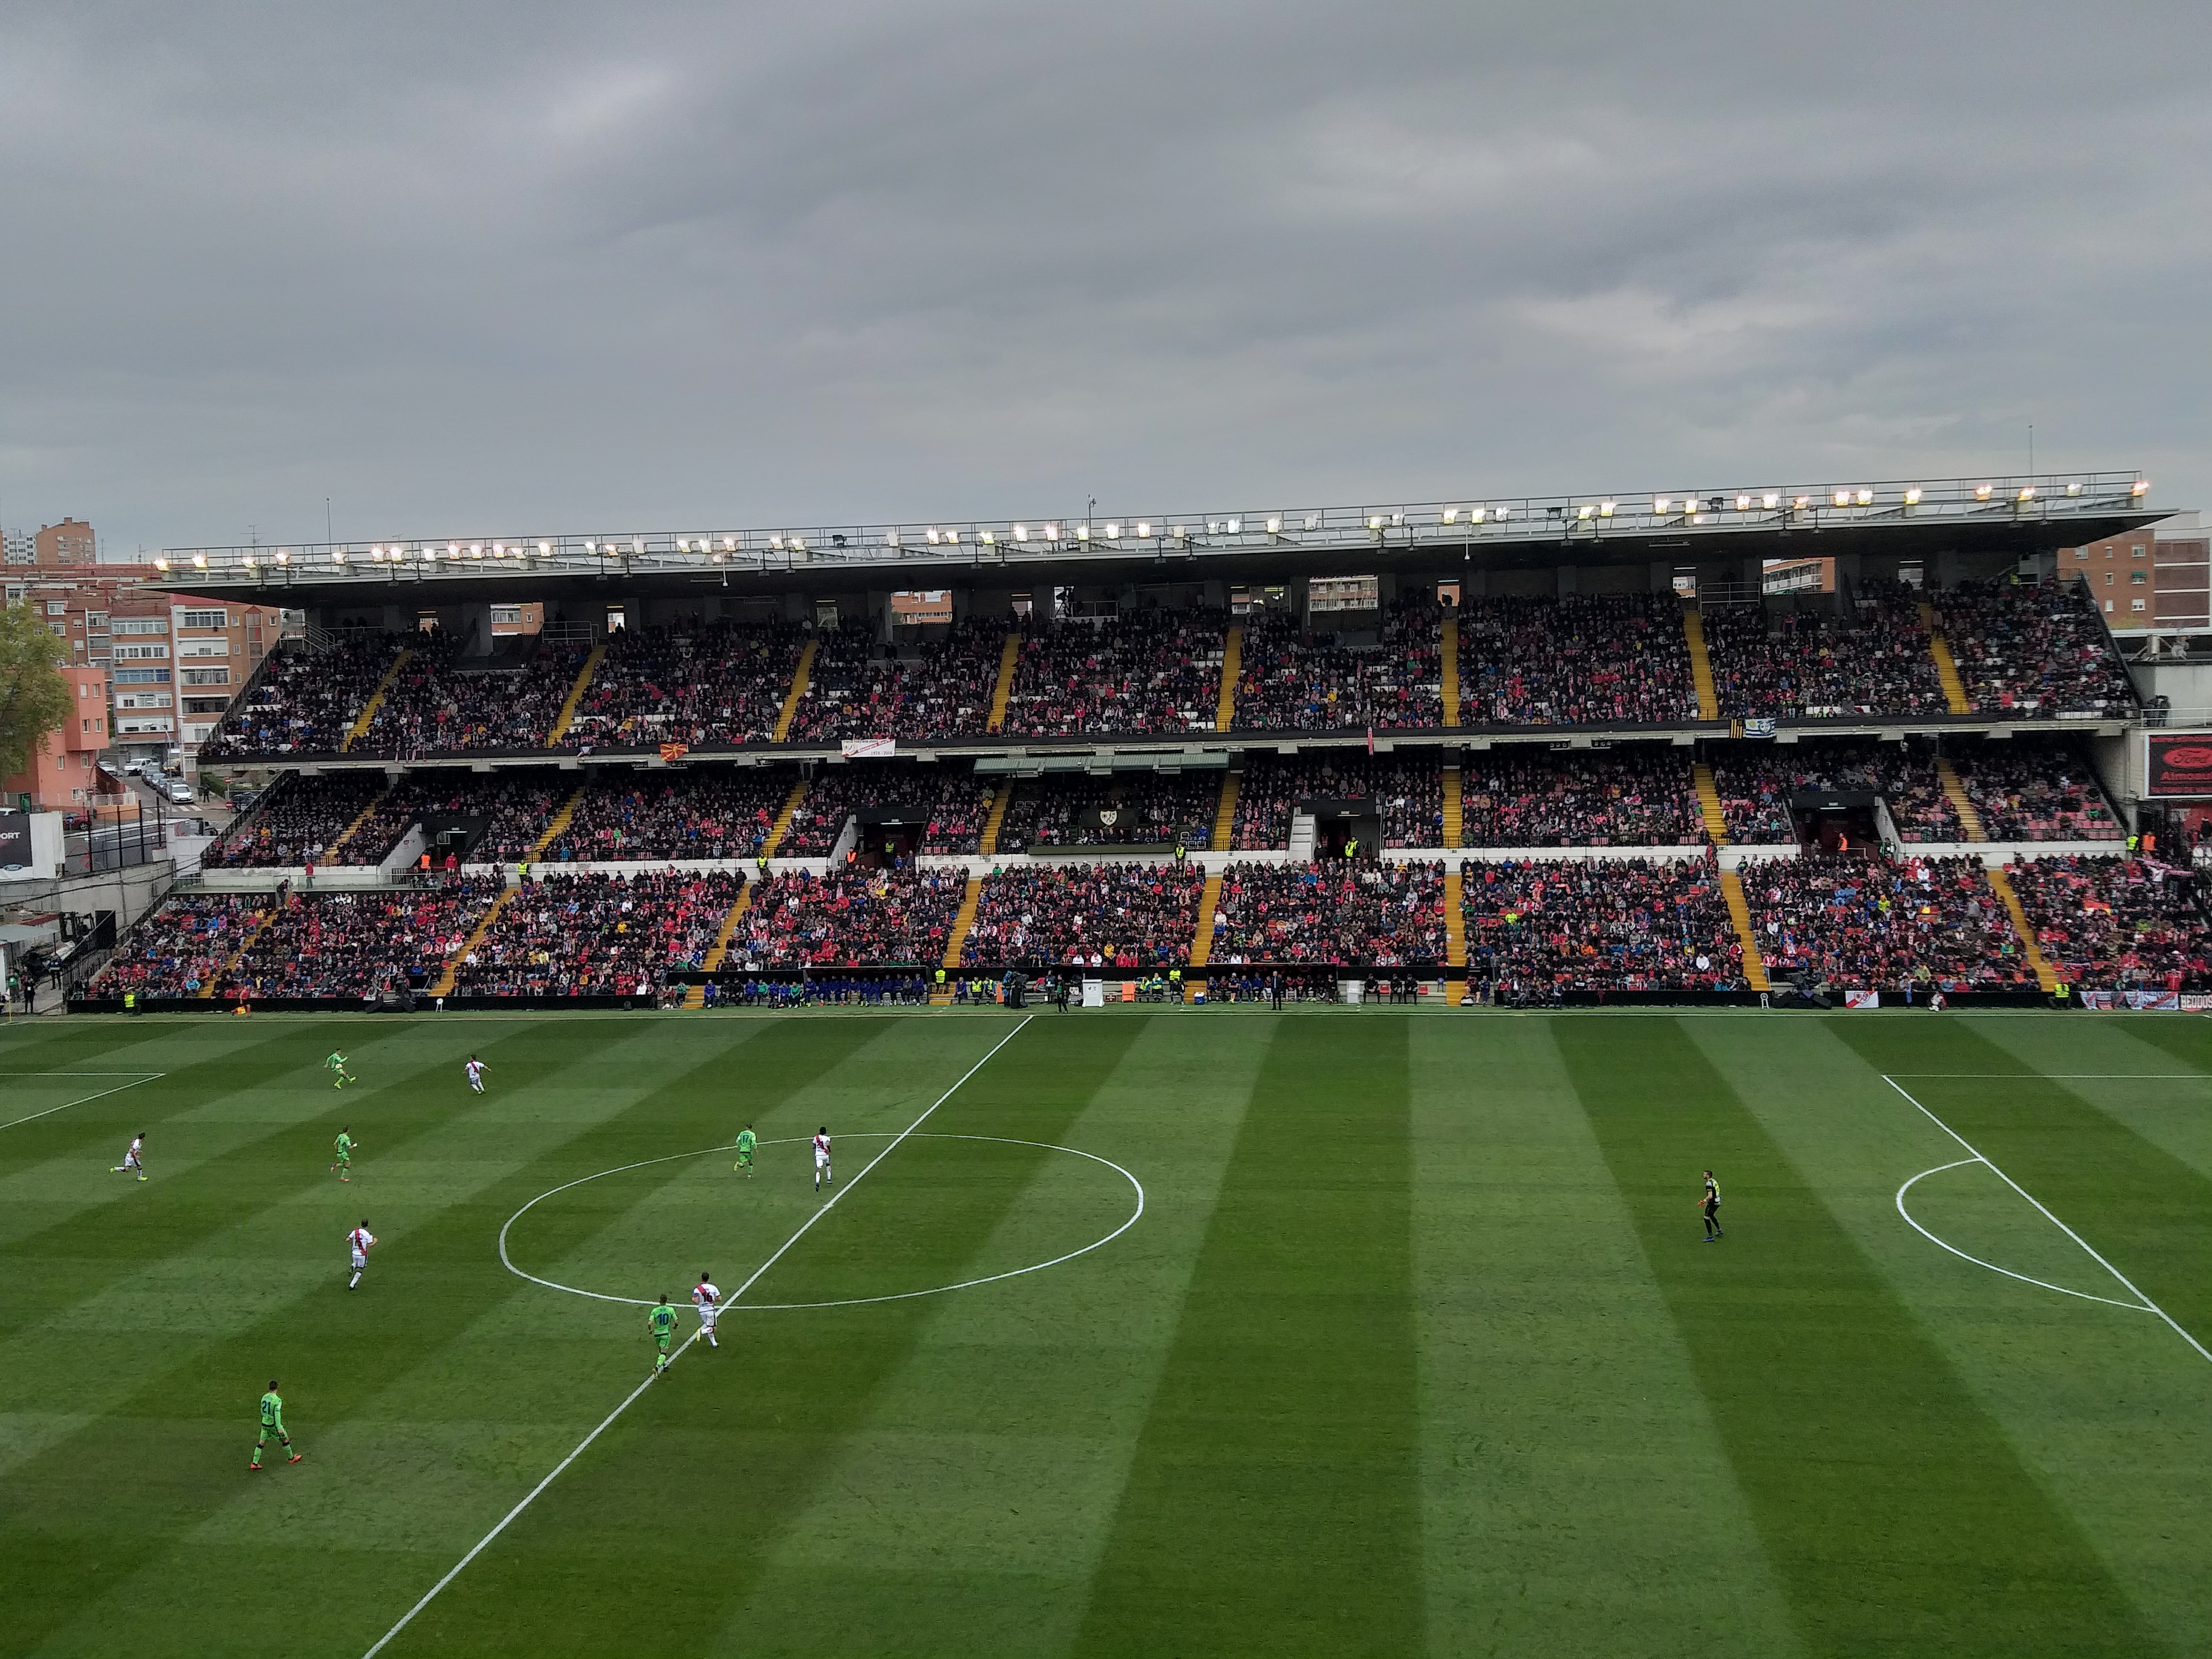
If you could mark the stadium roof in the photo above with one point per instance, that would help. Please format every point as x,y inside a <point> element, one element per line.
<point>1269,545</point>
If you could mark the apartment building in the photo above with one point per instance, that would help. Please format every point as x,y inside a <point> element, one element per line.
<point>63,776</point>
<point>2158,579</point>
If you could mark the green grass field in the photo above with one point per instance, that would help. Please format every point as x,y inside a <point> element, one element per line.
<point>1414,1346</point>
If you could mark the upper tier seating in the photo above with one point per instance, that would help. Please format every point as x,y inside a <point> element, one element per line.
<point>1589,660</point>
<point>938,689</point>
<point>691,813</point>
<point>304,702</point>
<point>2026,791</point>
<point>1126,809</point>
<point>700,684</point>
<point>1139,671</point>
<point>1534,930</point>
<point>444,701</point>
<point>1327,683</point>
<point>1807,664</point>
<point>1617,798</point>
<point>296,823</point>
<point>2033,650</point>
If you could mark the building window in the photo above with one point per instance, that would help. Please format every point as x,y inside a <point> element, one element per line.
<point>57,607</point>
<point>2137,551</point>
<point>139,625</point>
<point>142,677</point>
<point>206,676</point>
<point>2139,577</point>
<point>203,619</point>
<point>141,653</point>
<point>2135,605</point>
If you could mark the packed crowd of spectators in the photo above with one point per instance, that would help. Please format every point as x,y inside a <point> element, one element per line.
<point>1287,682</point>
<point>1537,929</point>
<point>1587,659</point>
<point>691,813</point>
<point>852,918</point>
<point>1139,671</point>
<point>2035,650</point>
<point>444,701</point>
<point>181,945</point>
<point>518,805</point>
<point>1807,663</point>
<point>2023,790</point>
<point>2112,923</point>
<point>351,945</point>
<point>574,935</point>
<point>1338,914</point>
<point>861,687</point>
<point>1118,809</point>
<point>1614,798</point>
<point>300,821</point>
<point>1757,785</point>
<point>1407,791</point>
<point>305,700</point>
<point>692,682</point>
<point>957,804</point>
<point>1858,922</point>
<point>1096,915</point>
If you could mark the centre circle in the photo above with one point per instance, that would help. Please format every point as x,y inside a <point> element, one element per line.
<point>735,1296</point>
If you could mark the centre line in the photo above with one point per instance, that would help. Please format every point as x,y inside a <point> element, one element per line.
<point>631,1399</point>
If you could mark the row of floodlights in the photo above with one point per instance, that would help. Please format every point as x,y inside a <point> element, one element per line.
<point>1690,507</point>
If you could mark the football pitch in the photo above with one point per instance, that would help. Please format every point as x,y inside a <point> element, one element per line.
<point>1137,1331</point>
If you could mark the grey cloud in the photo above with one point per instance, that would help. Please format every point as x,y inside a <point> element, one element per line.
<point>503,267</point>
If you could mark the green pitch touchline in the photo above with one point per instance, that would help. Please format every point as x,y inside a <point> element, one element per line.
<point>2148,1305</point>
<point>631,1398</point>
<point>137,1077</point>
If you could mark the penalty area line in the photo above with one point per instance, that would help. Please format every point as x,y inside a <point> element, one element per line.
<point>137,1077</point>
<point>634,1395</point>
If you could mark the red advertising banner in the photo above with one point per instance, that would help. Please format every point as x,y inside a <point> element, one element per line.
<point>2179,764</point>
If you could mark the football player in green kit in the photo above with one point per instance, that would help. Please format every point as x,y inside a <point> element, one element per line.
<point>662,1319</point>
<point>745,1145</point>
<point>272,1422</point>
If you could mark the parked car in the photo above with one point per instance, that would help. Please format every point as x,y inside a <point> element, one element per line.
<point>181,794</point>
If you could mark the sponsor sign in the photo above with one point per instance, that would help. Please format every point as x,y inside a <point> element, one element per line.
<point>14,842</point>
<point>2196,1002</point>
<point>2178,763</point>
<point>2160,1001</point>
<point>1862,999</point>
<point>870,748</point>
<point>2096,999</point>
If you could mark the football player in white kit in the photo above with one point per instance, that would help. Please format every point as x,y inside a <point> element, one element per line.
<point>707,1296</point>
<point>130,1165</point>
<point>476,1071</point>
<point>822,1170</point>
<point>358,1242</point>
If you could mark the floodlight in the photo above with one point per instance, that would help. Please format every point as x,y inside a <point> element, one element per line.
<point>1801,500</point>
<point>682,545</point>
<point>199,560</point>
<point>1021,532</point>
<point>1913,496</point>
<point>499,549</point>
<point>1584,511</point>
<point>1659,506</point>
<point>1742,503</point>
<point>987,537</point>
<point>1375,521</point>
<point>1771,499</point>
<point>1236,526</point>
<point>1083,532</point>
<point>1273,525</point>
<point>1475,515</point>
<point>2026,492</point>
<point>931,534</point>
<point>1144,529</point>
<point>775,541</point>
<point>282,557</point>
<point>2073,490</point>
<point>798,543</point>
<point>1113,532</point>
<point>952,536</point>
<point>593,547</point>
<point>891,538</point>
<point>545,549</point>
<point>1605,509</point>
<point>1982,492</point>
<point>2140,486</point>
<point>1052,532</point>
<point>1451,515</point>
<point>637,545</point>
<point>1866,498</point>
<point>1175,531</point>
<point>160,564</point>
<point>1313,520</point>
<point>1842,498</point>
<point>729,545</point>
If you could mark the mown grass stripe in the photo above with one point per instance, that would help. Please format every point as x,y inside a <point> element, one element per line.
<point>2141,1208</point>
<point>1274,1501</point>
<point>769,1414</point>
<point>85,1516</point>
<point>1897,1514</point>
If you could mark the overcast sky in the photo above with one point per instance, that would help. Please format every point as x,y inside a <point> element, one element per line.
<point>509,269</point>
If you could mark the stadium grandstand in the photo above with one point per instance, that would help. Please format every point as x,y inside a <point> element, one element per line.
<point>1521,752</point>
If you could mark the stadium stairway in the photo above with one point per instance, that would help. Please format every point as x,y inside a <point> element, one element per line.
<point>444,987</point>
<point>561,820</point>
<point>989,845</point>
<point>695,996</point>
<point>360,727</point>
<point>207,991</point>
<point>1004,689</point>
<point>791,698</point>
<point>1701,662</point>
<point>1754,965</point>
<point>1202,937</point>
<point>1455,827</point>
<point>1454,935</point>
<point>2045,974</point>
<point>781,827</point>
<point>576,695</point>
<point>1709,804</point>
<point>1232,670</point>
<point>1955,793</point>
<point>331,854</point>
<point>1224,814</point>
<point>1947,666</point>
<point>1448,646</point>
<point>941,996</point>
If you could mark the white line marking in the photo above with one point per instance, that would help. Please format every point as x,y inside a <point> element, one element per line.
<point>137,1077</point>
<point>1968,1162</point>
<point>2074,1076</point>
<point>1135,1215</point>
<point>630,1399</point>
<point>1976,1157</point>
